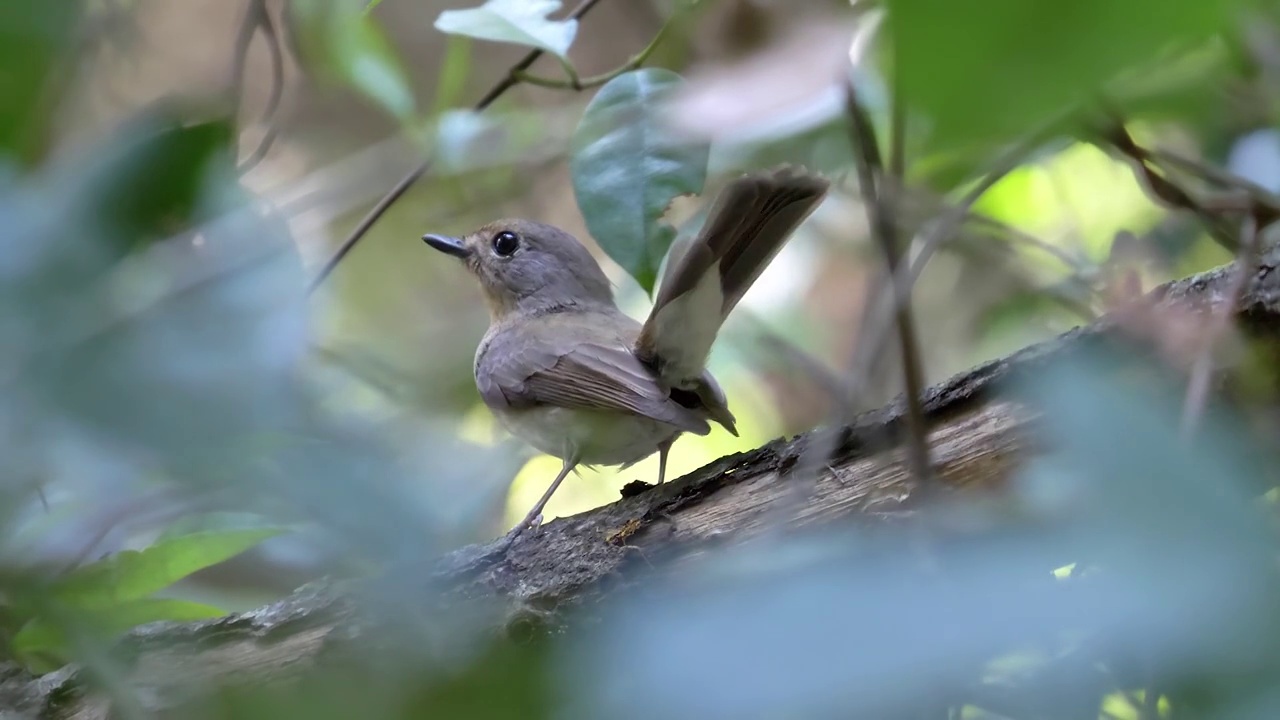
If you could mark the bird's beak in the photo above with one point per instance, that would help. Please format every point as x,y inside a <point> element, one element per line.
<point>445,244</point>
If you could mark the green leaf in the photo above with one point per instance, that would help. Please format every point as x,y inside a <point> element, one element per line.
<point>34,34</point>
<point>521,22</point>
<point>135,574</point>
<point>996,68</point>
<point>627,168</point>
<point>343,41</point>
<point>43,639</point>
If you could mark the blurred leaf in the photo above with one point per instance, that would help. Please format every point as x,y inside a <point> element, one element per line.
<point>790,85</point>
<point>1189,88</point>
<point>216,522</point>
<point>152,184</point>
<point>627,168</point>
<point>452,79</point>
<point>342,40</point>
<point>33,36</point>
<point>979,71</point>
<point>43,643</point>
<point>823,148</point>
<point>135,574</point>
<point>373,4</point>
<point>522,22</point>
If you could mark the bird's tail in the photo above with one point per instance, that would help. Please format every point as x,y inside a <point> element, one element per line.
<point>707,276</point>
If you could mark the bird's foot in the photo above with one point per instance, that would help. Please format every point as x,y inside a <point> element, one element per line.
<point>510,538</point>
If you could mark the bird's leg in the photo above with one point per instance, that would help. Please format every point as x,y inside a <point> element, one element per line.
<point>569,463</point>
<point>663,449</point>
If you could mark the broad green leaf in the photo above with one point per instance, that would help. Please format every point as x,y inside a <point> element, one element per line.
<point>996,68</point>
<point>342,40</point>
<point>135,574</point>
<point>627,168</point>
<point>521,22</point>
<point>34,34</point>
<point>43,639</point>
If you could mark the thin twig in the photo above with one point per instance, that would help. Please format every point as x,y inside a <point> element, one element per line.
<point>276,50</point>
<point>508,81</point>
<point>259,152</point>
<point>879,206</point>
<point>1212,174</point>
<point>1202,371</point>
<point>877,321</point>
<point>574,82</point>
<point>928,242</point>
<point>876,317</point>
<point>137,509</point>
<point>947,225</point>
<point>240,51</point>
<point>1171,195</point>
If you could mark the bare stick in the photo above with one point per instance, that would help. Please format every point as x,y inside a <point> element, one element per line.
<point>253,11</point>
<point>876,317</point>
<point>880,214</point>
<point>508,81</point>
<point>1171,195</point>
<point>276,49</point>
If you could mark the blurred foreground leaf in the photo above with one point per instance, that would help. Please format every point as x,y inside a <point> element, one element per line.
<point>342,40</point>
<point>135,574</point>
<point>627,167</point>
<point>521,22</point>
<point>997,68</point>
<point>33,36</point>
<point>154,182</point>
<point>155,319</point>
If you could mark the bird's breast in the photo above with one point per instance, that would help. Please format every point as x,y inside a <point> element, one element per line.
<point>597,437</point>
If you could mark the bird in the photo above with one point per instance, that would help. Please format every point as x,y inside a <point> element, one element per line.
<point>566,371</point>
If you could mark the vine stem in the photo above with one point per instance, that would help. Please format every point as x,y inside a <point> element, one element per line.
<point>575,82</point>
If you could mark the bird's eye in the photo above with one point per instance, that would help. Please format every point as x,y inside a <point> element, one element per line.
<point>505,243</point>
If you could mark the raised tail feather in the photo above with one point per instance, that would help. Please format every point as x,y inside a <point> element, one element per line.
<point>706,277</point>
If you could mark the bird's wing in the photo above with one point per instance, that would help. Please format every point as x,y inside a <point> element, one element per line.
<point>527,369</point>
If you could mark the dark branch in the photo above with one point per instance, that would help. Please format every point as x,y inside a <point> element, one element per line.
<point>880,203</point>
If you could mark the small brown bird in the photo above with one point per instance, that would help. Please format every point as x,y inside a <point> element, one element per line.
<point>566,371</point>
